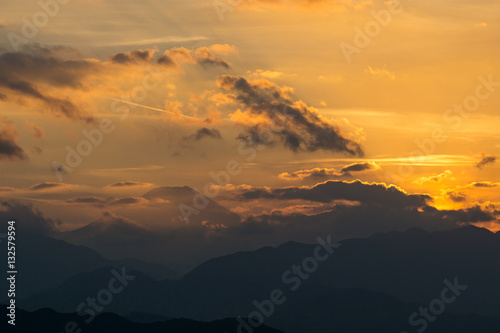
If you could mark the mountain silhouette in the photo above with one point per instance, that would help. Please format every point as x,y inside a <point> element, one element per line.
<point>46,320</point>
<point>212,213</point>
<point>393,273</point>
<point>46,262</point>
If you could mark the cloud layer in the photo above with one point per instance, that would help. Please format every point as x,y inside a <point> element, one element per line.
<point>272,116</point>
<point>9,147</point>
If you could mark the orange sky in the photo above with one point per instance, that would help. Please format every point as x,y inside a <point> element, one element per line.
<point>169,91</point>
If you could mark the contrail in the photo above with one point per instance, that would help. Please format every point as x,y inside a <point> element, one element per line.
<point>154,109</point>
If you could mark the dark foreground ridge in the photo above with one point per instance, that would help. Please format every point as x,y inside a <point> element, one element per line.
<point>49,321</point>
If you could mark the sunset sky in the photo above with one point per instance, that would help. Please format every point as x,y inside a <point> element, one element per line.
<point>171,91</point>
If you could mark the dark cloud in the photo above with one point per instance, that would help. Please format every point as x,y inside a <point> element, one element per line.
<point>345,221</point>
<point>379,194</point>
<point>378,208</point>
<point>456,196</point>
<point>9,148</point>
<point>87,200</point>
<point>324,173</point>
<point>59,51</point>
<point>22,74</point>
<point>299,127</point>
<point>166,61</point>
<point>103,202</point>
<point>486,159</point>
<point>204,133</point>
<point>129,184</point>
<point>358,167</point>
<point>470,215</point>
<point>135,56</point>
<point>127,201</point>
<point>170,58</point>
<point>484,184</point>
<point>48,185</point>
<point>316,174</point>
<point>28,218</point>
<point>206,58</point>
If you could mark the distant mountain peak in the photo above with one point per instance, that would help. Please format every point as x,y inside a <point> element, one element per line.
<point>167,191</point>
<point>212,211</point>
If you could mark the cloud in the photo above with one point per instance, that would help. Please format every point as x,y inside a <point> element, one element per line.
<point>141,57</point>
<point>435,178</point>
<point>347,221</point>
<point>206,58</point>
<point>224,49</point>
<point>204,133</point>
<point>456,196</point>
<point>180,54</point>
<point>352,209</point>
<point>267,74</point>
<point>28,218</point>
<point>48,185</point>
<point>129,184</point>
<point>9,147</point>
<point>359,167</point>
<point>271,115</point>
<point>323,173</point>
<point>87,200</point>
<point>472,215</point>
<point>483,184</point>
<point>166,61</point>
<point>24,75</point>
<point>486,159</point>
<point>203,56</point>
<point>459,193</point>
<point>38,132</point>
<point>379,208</point>
<point>380,72</point>
<point>128,201</point>
<point>367,193</point>
<point>133,57</point>
<point>476,185</point>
